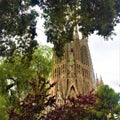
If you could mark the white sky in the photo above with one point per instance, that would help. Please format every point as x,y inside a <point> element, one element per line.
<point>105,55</point>
<point>106,58</point>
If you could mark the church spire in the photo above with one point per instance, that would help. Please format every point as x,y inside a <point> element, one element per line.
<point>101,80</point>
<point>74,72</point>
<point>75,33</point>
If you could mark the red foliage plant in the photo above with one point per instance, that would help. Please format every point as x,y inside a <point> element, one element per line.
<point>33,106</point>
<point>37,100</point>
<point>75,108</point>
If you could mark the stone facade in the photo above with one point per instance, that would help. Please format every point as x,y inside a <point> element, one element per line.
<point>74,71</point>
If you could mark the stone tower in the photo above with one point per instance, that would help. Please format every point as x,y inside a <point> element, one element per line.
<point>73,72</point>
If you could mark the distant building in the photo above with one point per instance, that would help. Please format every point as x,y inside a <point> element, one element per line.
<point>74,71</point>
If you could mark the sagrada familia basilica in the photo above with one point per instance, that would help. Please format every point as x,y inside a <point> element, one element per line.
<point>74,73</point>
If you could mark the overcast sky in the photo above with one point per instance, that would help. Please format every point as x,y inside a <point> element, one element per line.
<point>105,55</point>
<point>106,58</point>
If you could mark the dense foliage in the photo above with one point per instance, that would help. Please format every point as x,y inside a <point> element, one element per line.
<point>90,15</point>
<point>3,108</point>
<point>43,61</point>
<point>79,108</point>
<point>23,74</point>
<point>102,105</point>
<point>33,106</point>
<point>108,103</point>
<point>16,72</point>
<point>17,19</point>
<point>17,27</point>
<point>35,103</point>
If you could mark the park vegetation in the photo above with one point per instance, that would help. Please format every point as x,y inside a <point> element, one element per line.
<point>25,66</point>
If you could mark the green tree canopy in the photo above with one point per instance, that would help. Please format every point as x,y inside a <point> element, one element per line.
<point>43,61</point>
<point>16,73</point>
<point>18,19</point>
<point>17,26</point>
<point>108,102</point>
<point>90,15</point>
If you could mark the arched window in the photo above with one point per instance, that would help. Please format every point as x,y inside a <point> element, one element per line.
<point>84,55</point>
<point>72,88</point>
<point>72,92</point>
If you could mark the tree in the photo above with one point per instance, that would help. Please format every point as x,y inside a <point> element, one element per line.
<point>43,60</point>
<point>18,70</point>
<point>14,76</point>
<point>90,15</point>
<point>33,106</point>
<point>108,103</point>
<point>17,27</point>
<point>60,18</point>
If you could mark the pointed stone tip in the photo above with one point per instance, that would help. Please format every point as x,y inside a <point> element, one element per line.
<point>76,31</point>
